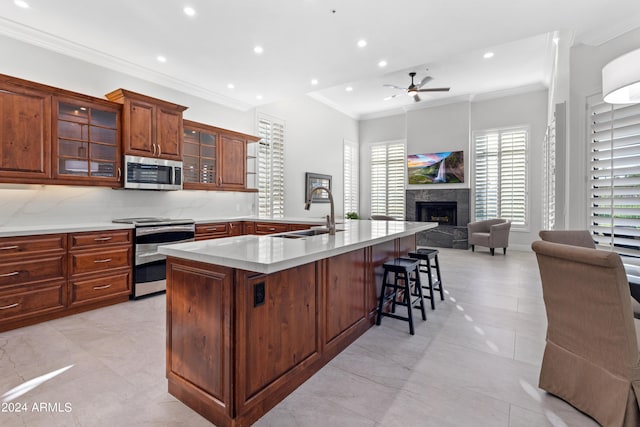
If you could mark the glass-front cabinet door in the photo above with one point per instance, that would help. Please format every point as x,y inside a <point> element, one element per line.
<point>87,142</point>
<point>199,150</point>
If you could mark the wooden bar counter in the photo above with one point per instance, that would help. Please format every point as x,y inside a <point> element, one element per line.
<point>250,318</point>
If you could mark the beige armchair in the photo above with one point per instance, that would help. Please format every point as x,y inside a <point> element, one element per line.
<point>491,233</point>
<point>591,358</point>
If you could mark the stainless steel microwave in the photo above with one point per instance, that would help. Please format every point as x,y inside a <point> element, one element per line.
<point>148,173</point>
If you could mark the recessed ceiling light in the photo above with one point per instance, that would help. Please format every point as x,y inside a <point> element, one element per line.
<point>388,98</point>
<point>161,58</point>
<point>258,97</point>
<point>348,88</point>
<point>488,55</point>
<point>258,49</point>
<point>314,81</point>
<point>362,43</point>
<point>21,3</point>
<point>189,11</point>
<point>231,86</point>
<point>382,64</point>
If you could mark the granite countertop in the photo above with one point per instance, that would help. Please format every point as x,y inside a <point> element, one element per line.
<point>28,230</point>
<point>268,254</point>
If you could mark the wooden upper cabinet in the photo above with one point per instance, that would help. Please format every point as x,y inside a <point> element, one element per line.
<point>233,161</point>
<point>86,143</point>
<point>151,127</point>
<point>25,132</point>
<point>214,158</point>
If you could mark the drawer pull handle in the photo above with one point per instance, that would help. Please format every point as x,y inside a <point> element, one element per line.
<point>98,261</point>
<point>13,273</point>
<point>97,288</point>
<point>6,248</point>
<point>212,229</point>
<point>10,306</point>
<point>102,239</point>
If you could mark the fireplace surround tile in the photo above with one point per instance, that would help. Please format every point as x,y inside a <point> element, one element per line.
<point>443,236</point>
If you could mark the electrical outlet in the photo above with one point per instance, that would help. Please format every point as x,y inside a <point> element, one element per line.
<point>258,294</point>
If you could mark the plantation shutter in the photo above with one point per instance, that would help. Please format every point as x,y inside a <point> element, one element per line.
<point>501,175</point>
<point>270,167</point>
<point>615,179</point>
<point>388,161</point>
<point>351,177</point>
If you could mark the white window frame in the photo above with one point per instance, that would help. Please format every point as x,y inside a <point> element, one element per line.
<point>270,166</point>
<point>475,134</point>
<point>351,175</point>
<point>396,213</point>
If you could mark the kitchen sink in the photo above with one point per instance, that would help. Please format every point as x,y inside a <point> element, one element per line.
<point>304,233</point>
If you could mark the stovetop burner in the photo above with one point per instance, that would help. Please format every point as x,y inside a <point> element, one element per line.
<point>152,221</point>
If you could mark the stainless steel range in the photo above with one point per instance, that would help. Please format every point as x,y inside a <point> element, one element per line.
<point>150,272</point>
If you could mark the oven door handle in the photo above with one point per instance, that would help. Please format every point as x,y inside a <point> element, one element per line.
<point>146,231</point>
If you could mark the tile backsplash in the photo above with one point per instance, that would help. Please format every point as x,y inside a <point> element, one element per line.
<point>52,205</point>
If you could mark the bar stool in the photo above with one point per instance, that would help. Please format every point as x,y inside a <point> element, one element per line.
<point>428,259</point>
<point>402,269</point>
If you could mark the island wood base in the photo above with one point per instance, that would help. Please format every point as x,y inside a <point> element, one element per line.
<point>239,342</point>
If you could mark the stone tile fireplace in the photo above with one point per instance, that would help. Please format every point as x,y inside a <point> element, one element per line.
<point>450,208</point>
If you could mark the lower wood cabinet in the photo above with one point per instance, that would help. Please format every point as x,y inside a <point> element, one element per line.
<point>100,266</point>
<point>239,342</point>
<point>53,275</point>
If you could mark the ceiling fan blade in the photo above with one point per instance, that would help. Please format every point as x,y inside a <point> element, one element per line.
<point>435,89</point>
<point>416,98</point>
<point>394,87</point>
<point>424,81</point>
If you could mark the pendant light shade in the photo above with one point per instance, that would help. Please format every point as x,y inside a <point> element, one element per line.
<point>621,79</point>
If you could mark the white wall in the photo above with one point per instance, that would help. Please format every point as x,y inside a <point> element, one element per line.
<point>314,135</point>
<point>586,64</point>
<point>528,109</point>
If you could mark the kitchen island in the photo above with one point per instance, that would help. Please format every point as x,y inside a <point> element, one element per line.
<point>250,318</point>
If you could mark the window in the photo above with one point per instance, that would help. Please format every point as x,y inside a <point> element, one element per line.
<point>614,190</point>
<point>388,162</point>
<point>270,167</point>
<point>501,175</point>
<point>351,178</point>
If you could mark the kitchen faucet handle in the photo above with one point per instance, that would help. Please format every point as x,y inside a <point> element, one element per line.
<point>328,221</point>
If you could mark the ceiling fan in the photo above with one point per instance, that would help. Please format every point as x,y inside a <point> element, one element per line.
<point>414,89</point>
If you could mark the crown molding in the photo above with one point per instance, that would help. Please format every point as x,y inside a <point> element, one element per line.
<point>66,47</point>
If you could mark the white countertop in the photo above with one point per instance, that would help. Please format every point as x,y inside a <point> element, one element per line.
<point>28,230</point>
<point>268,254</point>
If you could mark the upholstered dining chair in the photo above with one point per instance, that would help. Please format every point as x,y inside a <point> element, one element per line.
<point>591,358</point>
<point>569,237</point>
<point>491,233</point>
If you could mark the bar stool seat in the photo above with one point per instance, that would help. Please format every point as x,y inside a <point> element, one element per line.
<point>402,268</point>
<point>428,259</point>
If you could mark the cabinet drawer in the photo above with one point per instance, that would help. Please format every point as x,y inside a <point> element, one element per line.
<point>296,227</point>
<point>97,239</point>
<point>100,288</point>
<point>213,230</point>
<point>269,228</point>
<point>27,245</point>
<point>32,270</point>
<point>32,300</point>
<point>89,262</point>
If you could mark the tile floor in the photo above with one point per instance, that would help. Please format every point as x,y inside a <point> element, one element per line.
<point>475,362</point>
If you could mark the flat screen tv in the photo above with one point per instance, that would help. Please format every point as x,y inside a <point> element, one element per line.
<point>436,168</point>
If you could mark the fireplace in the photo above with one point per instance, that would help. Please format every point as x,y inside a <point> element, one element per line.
<point>444,213</point>
<point>449,207</point>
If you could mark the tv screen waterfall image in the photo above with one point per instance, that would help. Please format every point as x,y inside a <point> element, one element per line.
<point>436,168</point>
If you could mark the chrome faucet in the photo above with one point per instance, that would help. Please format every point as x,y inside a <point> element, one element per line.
<point>331,219</point>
